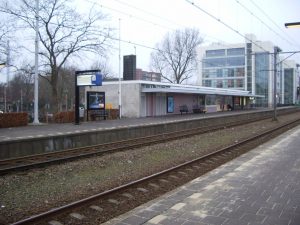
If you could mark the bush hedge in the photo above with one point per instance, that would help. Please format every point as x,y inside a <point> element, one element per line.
<point>69,117</point>
<point>13,119</point>
<point>64,117</point>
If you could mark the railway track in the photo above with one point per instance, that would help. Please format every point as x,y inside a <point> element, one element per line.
<point>106,205</point>
<point>40,160</point>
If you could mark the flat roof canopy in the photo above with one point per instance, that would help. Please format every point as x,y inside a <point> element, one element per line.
<point>159,87</point>
<point>196,90</point>
<point>187,91</point>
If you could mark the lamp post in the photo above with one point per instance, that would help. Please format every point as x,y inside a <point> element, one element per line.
<point>295,25</point>
<point>292,25</point>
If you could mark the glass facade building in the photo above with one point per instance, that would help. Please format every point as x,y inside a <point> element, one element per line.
<point>288,86</point>
<point>262,78</point>
<point>250,67</point>
<point>224,68</point>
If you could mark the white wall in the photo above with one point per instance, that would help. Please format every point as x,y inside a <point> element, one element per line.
<point>161,104</point>
<point>131,99</point>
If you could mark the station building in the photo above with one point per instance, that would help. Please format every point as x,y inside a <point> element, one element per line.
<point>140,98</point>
<point>249,66</point>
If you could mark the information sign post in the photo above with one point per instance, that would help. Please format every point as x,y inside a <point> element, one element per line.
<point>85,78</point>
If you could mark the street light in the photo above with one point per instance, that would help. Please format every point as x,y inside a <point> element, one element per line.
<point>292,25</point>
<point>295,25</point>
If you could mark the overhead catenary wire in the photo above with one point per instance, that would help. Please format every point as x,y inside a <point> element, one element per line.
<point>260,20</point>
<point>223,23</point>
<point>162,18</point>
<point>148,21</point>
<point>128,15</point>
<point>145,11</point>
<point>228,26</point>
<point>269,18</point>
<point>156,49</point>
<point>169,21</point>
<point>269,27</point>
<point>155,24</point>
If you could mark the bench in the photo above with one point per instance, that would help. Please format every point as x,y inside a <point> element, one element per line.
<point>229,107</point>
<point>183,108</point>
<point>199,109</point>
<point>98,114</point>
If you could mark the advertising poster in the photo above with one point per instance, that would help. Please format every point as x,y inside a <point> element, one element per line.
<point>95,100</point>
<point>170,104</point>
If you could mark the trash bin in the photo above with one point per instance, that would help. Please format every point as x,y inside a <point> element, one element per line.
<point>81,112</point>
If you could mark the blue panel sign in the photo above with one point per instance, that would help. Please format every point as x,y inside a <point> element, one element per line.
<point>96,79</point>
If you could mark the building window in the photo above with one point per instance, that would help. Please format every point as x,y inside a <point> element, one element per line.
<point>249,67</point>
<point>219,84</point>
<point>230,83</point>
<point>240,72</point>
<point>206,73</point>
<point>288,86</point>
<point>214,62</point>
<point>239,83</point>
<point>206,83</point>
<point>230,72</point>
<point>261,78</point>
<point>214,53</point>
<point>236,61</point>
<point>219,73</point>
<point>236,51</point>
<point>210,100</point>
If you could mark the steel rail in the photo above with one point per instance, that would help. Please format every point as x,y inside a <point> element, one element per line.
<point>85,201</point>
<point>26,162</point>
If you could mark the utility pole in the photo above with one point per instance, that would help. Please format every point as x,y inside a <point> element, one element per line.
<point>36,72</point>
<point>21,100</point>
<point>298,85</point>
<point>6,87</point>
<point>276,50</point>
<point>120,87</point>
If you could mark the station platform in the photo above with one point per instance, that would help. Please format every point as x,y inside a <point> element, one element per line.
<point>45,138</point>
<point>58,129</point>
<point>259,187</point>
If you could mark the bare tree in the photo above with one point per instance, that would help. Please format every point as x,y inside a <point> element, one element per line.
<point>2,44</point>
<point>63,33</point>
<point>21,87</point>
<point>103,65</point>
<point>3,34</point>
<point>65,89</point>
<point>176,57</point>
<point>6,28</point>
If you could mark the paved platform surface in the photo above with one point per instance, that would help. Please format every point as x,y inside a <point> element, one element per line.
<point>55,129</point>
<point>260,187</point>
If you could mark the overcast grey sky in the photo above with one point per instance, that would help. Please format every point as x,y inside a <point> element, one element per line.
<point>145,22</point>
